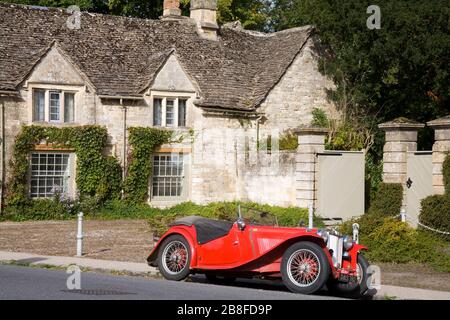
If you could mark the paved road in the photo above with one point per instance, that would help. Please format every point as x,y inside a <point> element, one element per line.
<point>17,282</point>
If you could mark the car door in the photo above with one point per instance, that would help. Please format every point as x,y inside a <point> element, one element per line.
<point>220,252</point>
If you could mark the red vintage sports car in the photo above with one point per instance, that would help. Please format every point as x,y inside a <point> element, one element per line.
<point>305,259</point>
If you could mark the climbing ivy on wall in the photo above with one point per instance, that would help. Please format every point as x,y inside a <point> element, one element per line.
<point>96,174</point>
<point>143,143</point>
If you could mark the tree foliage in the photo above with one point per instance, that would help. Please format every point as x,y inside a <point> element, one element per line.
<point>251,13</point>
<point>398,70</point>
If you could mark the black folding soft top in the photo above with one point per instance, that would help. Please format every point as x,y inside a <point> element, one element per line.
<point>207,229</point>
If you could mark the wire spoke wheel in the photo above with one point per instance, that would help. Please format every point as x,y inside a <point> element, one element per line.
<point>303,268</point>
<point>175,257</point>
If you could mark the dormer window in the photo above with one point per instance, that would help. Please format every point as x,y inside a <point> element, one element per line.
<point>169,112</point>
<point>53,106</point>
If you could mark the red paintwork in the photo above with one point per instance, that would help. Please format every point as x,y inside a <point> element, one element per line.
<point>254,250</point>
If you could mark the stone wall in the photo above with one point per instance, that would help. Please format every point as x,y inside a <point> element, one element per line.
<point>290,103</point>
<point>221,169</point>
<point>270,180</point>
<point>441,148</point>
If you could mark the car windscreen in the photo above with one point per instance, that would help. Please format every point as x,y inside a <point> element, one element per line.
<point>253,216</point>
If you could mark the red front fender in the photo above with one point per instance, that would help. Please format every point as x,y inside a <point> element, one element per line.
<point>187,232</point>
<point>354,254</point>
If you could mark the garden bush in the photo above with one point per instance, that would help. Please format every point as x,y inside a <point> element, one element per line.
<point>227,211</point>
<point>43,209</point>
<point>390,240</point>
<point>435,212</point>
<point>388,200</point>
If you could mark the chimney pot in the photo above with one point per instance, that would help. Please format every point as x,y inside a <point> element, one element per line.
<point>171,8</point>
<point>204,12</point>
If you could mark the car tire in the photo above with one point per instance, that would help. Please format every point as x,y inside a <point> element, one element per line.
<point>305,267</point>
<point>352,290</point>
<point>174,258</point>
<point>222,280</point>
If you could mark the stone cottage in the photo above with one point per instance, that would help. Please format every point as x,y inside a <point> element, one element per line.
<point>213,83</point>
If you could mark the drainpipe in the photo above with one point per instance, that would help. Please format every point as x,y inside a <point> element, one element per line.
<point>2,152</point>
<point>124,155</point>
<point>257,132</point>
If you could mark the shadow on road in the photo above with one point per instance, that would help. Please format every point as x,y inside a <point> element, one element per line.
<point>275,285</point>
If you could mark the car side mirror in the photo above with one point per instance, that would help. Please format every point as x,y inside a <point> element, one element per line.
<point>241,224</point>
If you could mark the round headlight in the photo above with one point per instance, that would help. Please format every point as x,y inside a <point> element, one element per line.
<point>323,234</point>
<point>348,242</point>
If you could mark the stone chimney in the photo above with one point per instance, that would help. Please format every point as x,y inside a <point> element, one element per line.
<point>204,12</point>
<point>171,9</point>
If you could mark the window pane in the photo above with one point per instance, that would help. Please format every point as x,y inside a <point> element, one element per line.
<point>69,107</point>
<point>157,112</point>
<point>49,174</point>
<point>169,112</point>
<point>168,178</point>
<point>55,106</point>
<point>38,105</point>
<point>181,113</point>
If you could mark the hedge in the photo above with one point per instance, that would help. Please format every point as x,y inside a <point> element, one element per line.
<point>393,241</point>
<point>291,216</point>
<point>388,200</point>
<point>435,212</point>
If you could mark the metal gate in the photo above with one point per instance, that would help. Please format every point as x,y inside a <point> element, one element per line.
<point>340,184</point>
<point>419,181</point>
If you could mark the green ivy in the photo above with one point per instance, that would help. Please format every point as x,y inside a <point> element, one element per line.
<point>143,143</point>
<point>96,175</point>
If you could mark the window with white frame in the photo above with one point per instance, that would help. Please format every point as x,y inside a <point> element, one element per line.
<point>168,175</point>
<point>53,105</point>
<point>169,112</point>
<point>50,174</point>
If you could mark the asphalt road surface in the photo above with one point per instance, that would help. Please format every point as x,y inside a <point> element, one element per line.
<point>17,282</point>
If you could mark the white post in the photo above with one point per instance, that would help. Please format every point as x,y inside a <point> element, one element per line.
<point>403,214</point>
<point>355,227</point>
<point>310,215</point>
<point>80,235</point>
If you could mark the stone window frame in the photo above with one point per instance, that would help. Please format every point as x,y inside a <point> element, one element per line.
<point>71,187</point>
<point>63,90</point>
<point>176,96</point>
<point>162,201</point>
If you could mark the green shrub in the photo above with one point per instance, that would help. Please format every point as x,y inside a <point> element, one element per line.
<point>288,141</point>
<point>367,224</point>
<point>388,200</point>
<point>43,209</point>
<point>446,173</point>
<point>395,241</point>
<point>227,211</point>
<point>320,118</point>
<point>390,240</point>
<point>435,212</point>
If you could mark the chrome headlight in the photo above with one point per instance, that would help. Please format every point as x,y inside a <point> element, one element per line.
<point>323,234</point>
<point>348,242</point>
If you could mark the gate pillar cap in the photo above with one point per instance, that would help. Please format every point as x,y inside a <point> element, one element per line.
<point>401,123</point>
<point>440,122</point>
<point>311,130</point>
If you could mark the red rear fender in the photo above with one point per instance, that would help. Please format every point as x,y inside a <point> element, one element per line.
<point>187,232</point>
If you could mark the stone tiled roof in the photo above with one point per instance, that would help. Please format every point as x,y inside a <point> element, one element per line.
<point>120,56</point>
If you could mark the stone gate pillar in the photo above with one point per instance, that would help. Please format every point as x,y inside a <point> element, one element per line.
<point>311,140</point>
<point>441,147</point>
<point>401,137</point>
